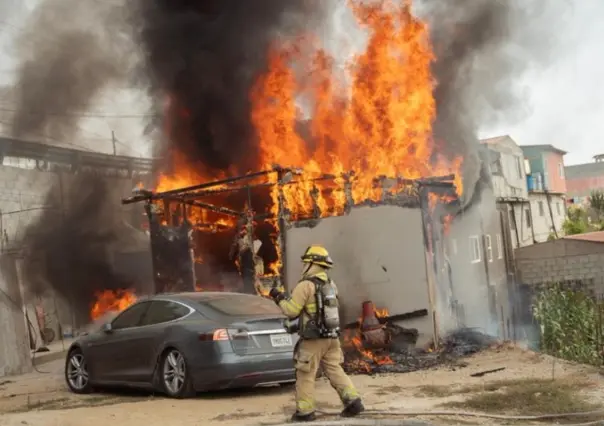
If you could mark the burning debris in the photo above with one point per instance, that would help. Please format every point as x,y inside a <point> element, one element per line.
<point>378,345</point>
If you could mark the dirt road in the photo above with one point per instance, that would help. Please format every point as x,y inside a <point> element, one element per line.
<point>41,399</point>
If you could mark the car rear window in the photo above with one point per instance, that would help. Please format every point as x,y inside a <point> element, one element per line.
<point>242,305</point>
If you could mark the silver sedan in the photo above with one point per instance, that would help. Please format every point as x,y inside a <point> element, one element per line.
<point>184,343</point>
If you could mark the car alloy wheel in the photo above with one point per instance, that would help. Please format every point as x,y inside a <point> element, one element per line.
<point>175,375</point>
<point>76,372</point>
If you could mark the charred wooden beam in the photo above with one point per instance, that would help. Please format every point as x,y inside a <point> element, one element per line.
<point>146,195</point>
<point>398,317</point>
<point>216,209</point>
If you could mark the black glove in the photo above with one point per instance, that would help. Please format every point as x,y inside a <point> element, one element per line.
<point>276,295</point>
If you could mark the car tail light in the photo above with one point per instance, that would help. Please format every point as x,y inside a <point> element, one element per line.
<point>221,334</point>
<point>216,335</point>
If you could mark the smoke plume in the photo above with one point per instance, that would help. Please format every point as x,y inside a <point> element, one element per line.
<point>204,57</point>
<point>483,49</point>
<point>68,53</point>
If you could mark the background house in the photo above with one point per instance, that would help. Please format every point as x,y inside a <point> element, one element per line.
<point>508,170</point>
<point>581,179</point>
<point>546,184</point>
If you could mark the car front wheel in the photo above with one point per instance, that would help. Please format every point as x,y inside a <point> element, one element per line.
<point>175,378</point>
<point>76,372</point>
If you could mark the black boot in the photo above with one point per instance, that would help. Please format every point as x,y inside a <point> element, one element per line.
<point>298,417</point>
<point>353,408</point>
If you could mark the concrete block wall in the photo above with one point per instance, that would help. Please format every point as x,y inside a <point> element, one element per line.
<point>565,262</point>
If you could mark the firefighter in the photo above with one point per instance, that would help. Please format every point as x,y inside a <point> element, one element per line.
<point>314,300</point>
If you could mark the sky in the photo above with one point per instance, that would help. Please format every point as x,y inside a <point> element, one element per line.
<point>563,103</point>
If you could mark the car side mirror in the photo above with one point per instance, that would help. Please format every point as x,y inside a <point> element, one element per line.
<point>107,327</point>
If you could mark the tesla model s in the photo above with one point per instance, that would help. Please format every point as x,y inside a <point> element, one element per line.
<point>184,343</point>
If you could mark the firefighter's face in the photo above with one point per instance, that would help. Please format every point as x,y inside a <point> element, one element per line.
<point>305,268</point>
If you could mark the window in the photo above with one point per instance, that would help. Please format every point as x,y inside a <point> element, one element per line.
<point>489,247</point>
<point>475,249</point>
<point>496,167</point>
<point>244,304</point>
<point>527,214</point>
<point>561,170</point>
<point>499,247</point>
<point>512,220</point>
<point>541,209</point>
<point>519,167</point>
<point>164,311</point>
<point>558,209</point>
<point>131,317</point>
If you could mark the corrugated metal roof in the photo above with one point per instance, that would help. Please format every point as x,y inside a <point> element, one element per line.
<point>594,237</point>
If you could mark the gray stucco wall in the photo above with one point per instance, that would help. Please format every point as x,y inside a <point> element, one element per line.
<point>563,261</point>
<point>479,283</point>
<point>379,256</point>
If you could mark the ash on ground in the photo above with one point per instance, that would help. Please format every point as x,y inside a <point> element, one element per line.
<point>400,355</point>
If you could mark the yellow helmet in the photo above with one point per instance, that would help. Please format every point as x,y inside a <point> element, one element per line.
<point>317,255</point>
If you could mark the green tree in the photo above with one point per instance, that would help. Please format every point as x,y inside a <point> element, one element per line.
<point>596,201</point>
<point>576,221</point>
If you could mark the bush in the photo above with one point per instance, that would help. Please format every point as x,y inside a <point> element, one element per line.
<point>571,325</point>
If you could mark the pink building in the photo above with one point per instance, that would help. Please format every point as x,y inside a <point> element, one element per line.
<point>581,179</point>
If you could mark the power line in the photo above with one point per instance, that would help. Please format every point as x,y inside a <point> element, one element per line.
<point>83,115</point>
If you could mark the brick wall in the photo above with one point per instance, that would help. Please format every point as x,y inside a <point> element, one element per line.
<point>576,264</point>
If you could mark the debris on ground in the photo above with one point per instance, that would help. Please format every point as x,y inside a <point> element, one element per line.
<point>399,355</point>
<point>485,372</point>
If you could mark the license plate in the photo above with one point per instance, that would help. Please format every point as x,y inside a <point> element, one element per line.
<point>281,340</point>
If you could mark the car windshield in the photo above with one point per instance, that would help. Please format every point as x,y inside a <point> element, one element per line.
<point>240,305</point>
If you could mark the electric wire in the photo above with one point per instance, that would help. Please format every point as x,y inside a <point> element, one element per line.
<point>79,114</point>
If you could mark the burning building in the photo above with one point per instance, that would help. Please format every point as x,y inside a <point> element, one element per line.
<point>360,172</point>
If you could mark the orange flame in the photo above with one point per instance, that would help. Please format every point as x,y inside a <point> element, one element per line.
<point>379,125</point>
<point>111,301</point>
<point>352,341</point>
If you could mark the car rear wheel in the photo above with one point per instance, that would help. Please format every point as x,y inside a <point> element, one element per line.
<point>76,372</point>
<point>175,378</point>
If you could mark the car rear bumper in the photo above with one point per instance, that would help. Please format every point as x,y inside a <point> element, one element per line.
<point>235,371</point>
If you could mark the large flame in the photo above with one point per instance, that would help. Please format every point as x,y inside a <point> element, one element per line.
<point>381,127</point>
<point>376,124</point>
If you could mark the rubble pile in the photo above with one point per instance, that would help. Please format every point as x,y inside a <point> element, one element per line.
<point>384,347</point>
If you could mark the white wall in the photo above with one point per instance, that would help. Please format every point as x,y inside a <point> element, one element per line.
<point>542,218</point>
<point>512,182</point>
<point>379,255</point>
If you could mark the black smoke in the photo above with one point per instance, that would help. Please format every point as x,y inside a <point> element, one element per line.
<point>205,55</point>
<point>68,52</point>
<point>69,247</point>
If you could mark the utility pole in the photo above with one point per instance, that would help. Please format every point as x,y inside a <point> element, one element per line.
<point>113,140</point>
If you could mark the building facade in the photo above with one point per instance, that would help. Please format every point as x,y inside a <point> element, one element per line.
<point>546,183</point>
<point>509,174</point>
<point>581,179</point>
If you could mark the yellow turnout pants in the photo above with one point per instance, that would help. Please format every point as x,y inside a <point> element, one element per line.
<point>327,353</point>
